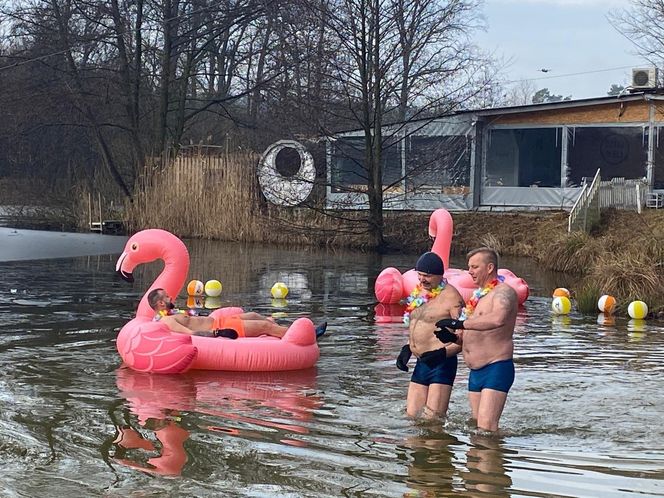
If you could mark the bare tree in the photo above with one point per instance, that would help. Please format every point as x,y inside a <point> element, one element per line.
<point>395,55</point>
<point>643,24</point>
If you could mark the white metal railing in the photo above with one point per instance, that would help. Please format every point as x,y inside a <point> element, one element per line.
<point>583,202</point>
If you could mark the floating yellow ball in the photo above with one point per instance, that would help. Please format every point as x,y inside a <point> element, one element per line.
<point>606,304</point>
<point>561,292</point>
<point>561,305</point>
<point>195,288</point>
<point>213,288</point>
<point>279,290</point>
<point>637,310</point>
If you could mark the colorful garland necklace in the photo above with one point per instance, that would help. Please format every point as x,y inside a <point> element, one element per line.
<point>173,311</point>
<point>478,294</point>
<point>418,297</point>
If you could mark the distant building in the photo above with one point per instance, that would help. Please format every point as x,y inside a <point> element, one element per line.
<point>524,157</point>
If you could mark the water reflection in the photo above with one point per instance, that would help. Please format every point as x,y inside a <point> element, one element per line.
<point>232,403</point>
<point>486,470</point>
<point>431,469</point>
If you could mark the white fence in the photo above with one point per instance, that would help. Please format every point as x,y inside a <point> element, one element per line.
<point>623,194</point>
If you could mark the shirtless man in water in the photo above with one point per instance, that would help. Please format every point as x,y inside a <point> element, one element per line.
<point>431,383</point>
<point>486,331</point>
<point>241,325</point>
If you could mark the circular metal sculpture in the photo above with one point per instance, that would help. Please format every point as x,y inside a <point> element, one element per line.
<point>282,190</point>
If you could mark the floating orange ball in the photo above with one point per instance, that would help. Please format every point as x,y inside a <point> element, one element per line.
<point>606,304</point>
<point>561,292</point>
<point>195,288</point>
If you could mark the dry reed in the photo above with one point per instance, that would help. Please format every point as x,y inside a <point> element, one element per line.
<point>217,196</point>
<point>628,277</point>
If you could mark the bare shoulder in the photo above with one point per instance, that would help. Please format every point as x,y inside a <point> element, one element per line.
<point>505,296</point>
<point>451,292</point>
<point>453,302</point>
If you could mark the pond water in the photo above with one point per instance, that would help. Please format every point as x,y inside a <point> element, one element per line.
<point>583,418</point>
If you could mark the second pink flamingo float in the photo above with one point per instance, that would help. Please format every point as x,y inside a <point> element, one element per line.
<point>392,286</point>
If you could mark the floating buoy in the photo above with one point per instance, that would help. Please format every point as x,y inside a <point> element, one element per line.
<point>606,304</point>
<point>561,305</point>
<point>213,288</point>
<point>561,292</point>
<point>195,288</point>
<point>279,290</point>
<point>637,310</point>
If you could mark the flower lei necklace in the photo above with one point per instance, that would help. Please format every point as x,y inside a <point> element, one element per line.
<point>418,297</point>
<point>175,311</point>
<point>478,294</point>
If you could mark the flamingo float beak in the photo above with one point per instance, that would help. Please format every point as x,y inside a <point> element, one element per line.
<point>127,276</point>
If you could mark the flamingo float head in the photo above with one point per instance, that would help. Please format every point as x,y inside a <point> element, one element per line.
<point>147,246</point>
<point>150,245</point>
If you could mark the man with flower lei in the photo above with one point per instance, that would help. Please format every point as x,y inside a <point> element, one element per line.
<point>431,383</point>
<point>248,324</point>
<point>485,329</point>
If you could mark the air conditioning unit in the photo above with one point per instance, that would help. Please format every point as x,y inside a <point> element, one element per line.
<point>644,78</point>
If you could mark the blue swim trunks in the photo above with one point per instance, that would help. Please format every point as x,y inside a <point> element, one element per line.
<point>498,376</point>
<point>443,372</point>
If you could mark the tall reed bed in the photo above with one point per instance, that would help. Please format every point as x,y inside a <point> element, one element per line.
<point>217,196</point>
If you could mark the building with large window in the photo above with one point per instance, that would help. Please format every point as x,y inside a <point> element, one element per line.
<point>526,157</point>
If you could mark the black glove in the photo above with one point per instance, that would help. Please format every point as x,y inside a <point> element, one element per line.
<point>445,336</point>
<point>402,359</point>
<point>434,358</point>
<point>449,323</point>
<point>227,333</point>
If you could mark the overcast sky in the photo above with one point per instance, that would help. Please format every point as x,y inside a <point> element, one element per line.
<point>565,36</point>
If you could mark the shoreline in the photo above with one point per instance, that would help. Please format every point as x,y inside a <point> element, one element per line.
<point>17,244</point>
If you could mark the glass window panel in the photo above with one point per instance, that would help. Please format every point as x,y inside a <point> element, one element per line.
<point>524,157</point>
<point>658,180</point>
<point>437,162</point>
<point>347,161</point>
<point>616,151</point>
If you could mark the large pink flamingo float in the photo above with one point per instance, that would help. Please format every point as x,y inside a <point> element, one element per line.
<point>391,286</point>
<point>149,346</point>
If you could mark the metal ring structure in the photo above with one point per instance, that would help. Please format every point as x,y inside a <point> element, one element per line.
<point>282,190</point>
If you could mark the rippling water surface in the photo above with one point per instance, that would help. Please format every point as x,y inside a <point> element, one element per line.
<point>583,418</point>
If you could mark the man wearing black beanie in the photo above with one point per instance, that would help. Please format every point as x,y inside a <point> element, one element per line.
<point>432,300</point>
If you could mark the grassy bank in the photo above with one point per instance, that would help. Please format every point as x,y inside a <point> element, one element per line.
<point>623,257</point>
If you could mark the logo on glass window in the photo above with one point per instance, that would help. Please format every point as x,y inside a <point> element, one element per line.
<point>614,148</point>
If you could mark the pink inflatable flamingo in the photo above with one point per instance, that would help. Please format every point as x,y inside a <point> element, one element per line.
<point>149,346</point>
<point>391,286</point>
